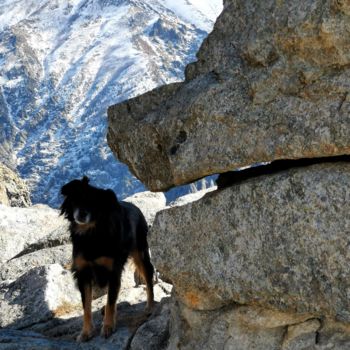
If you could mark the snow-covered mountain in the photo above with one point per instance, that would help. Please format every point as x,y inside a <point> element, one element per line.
<point>63,62</point>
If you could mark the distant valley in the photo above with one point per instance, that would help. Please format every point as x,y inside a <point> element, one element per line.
<point>64,62</point>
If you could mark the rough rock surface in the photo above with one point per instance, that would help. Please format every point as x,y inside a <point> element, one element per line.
<point>21,227</point>
<point>14,268</point>
<point>253,328</point>
<point>149,203</point>
<point>271,82</point>
<point>277,242</point>
<point>36,296</point>
<point>154,334</point>
<point>13,190</point>
<point>262,264</point>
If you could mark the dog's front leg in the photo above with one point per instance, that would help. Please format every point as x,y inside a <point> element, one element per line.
<point>86,297</point>
<point>110,309</point>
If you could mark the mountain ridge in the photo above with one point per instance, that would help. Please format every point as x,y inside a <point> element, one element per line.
<point>63,64</point>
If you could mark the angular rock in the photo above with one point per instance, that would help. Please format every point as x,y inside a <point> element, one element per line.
<point>271,82</point>
<point>36,296</point>
<point>220,329</point>
<point>13,190</point>
<point>21,227</point>
<point>236,328</point>
<point>46,301</point>
<point>13,269</point>
<point>67,321</point>
<point>24,340</point>
<point>332,333</point>
<point>154,334</point>
<point>149,203</point>
<point>278,241</point>
<point>58,237</point>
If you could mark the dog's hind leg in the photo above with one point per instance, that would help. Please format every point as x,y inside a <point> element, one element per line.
<point>86,296</point>
<point>145,268</point>
<point>110,308</point>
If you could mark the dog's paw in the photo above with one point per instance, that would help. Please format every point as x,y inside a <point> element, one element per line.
<point>85,336</point>
<point>107,331</point>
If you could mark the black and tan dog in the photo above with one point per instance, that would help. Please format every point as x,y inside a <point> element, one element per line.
<point>104,233</point>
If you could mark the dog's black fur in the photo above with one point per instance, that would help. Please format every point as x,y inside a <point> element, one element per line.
<point>104,233</point>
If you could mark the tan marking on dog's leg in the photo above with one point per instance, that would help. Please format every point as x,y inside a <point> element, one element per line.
<point>140,261</point>
<point>87,331</point>
<point>79,262</point>
<point>109,319</point>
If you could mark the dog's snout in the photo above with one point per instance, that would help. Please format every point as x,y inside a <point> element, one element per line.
<point>83,213</point>
<point>81,216</point>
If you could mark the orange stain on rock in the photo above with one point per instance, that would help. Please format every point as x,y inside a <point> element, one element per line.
<point>192,299</point>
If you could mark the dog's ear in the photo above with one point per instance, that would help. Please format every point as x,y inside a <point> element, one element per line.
<point>74,186</point>
<point>68,191</point>
<point>71,188</point>
<point>85,180</point>
<point>111,199</point>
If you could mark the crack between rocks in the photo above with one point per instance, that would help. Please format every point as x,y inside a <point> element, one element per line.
<point>128,344</point>
<point>237,176</point>
<point>35,247</point>
<point>342,100</point>
<point>28,327</point>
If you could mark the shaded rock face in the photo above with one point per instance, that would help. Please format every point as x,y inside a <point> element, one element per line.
<point>262,264</point>
<point>253,328</point>
<point>13,191</point>
<point>271,82</point>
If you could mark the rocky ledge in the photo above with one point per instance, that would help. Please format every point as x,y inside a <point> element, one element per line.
<point>271,82</point>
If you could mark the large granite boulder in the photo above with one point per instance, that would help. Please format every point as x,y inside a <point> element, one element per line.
<point>279,241</point>
<point>271,82</point>
<point>13,190</point>
<point>277,245</point>
<point>14,268</point>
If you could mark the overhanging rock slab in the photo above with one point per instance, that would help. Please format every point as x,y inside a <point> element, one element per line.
<point>271,82</point>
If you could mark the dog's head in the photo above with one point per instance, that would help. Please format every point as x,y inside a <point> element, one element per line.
<point>85,204</point>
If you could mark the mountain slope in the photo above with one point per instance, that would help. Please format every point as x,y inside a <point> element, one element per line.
<point>64,62</point>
